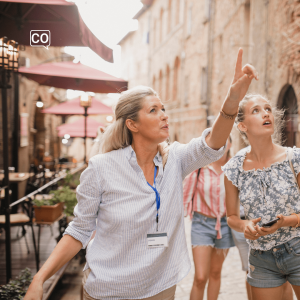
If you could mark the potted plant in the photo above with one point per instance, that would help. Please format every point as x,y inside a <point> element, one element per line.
<point>68,197</point>
<point>47,208</point>
<point>16,289</point>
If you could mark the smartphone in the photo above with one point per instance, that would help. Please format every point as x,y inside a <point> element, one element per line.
<point>269,224</point>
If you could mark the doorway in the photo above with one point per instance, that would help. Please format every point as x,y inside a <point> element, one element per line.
<point>288,101</point>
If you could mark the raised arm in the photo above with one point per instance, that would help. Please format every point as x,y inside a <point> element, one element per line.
<point>233,212</point>
<point>237,90</point>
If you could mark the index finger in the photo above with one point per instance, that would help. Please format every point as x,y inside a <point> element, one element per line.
<point>239,60</point>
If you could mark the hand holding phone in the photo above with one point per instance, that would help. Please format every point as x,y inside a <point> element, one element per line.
<point>270,223</point>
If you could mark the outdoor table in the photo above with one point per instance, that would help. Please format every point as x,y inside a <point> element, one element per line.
<point>40,224</point>
<point>17,177</point>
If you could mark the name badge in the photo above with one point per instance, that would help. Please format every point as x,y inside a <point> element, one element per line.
<point>156,240</point>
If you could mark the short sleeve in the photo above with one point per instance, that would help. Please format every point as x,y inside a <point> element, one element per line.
<point>296,160</point>
<point>196,154</point>
<point>231,170</point>
<point>86,211</point>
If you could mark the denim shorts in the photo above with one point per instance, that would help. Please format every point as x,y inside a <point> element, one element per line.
<point>204,232</point>
<point>274,267</point>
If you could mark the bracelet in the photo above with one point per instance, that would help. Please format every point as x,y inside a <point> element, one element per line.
<point>297,225</point>
<point>229,117</point>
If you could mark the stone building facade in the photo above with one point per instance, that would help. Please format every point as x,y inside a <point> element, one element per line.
<point>186,50</point>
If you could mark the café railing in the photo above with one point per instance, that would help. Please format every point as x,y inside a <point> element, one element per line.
<point>26,198</point>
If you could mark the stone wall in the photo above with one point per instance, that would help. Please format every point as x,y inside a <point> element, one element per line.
<point>191,53</point>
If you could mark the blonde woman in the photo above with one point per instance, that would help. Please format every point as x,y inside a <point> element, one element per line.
<point>263,180</point>
<point>134,191</point>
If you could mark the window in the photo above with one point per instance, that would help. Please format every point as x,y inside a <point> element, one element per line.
<point>177,12</point>
<point>154,34</point>
<point>189,20</point>
<point>160,87</point>
<point>203,99</point>
<point>154,83</point>
<point>161,27</point>
<point>206,11</point>
<point>167,83</point>
<point>169,16</point>
<point>186,90</point>
<point>175,79</point>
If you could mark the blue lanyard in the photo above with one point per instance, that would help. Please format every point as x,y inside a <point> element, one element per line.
<point>157,197</point>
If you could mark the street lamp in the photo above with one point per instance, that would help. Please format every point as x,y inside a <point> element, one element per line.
<point>85,102</point>
<point>9,61</point>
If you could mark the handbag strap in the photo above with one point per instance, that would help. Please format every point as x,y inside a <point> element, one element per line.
<point>290,155</point>
<point>198,173</point>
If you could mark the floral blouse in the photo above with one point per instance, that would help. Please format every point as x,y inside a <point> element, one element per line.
<point>267,193</point>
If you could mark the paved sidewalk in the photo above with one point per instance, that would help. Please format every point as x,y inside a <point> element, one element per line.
<point>233,278</point>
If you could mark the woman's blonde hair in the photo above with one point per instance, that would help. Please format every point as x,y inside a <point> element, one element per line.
<point>278,119</point>
<point>117,135</point>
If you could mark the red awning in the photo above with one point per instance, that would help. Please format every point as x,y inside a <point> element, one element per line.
<point>62,18</point>
<point>73,107</point>
<point>76,129</point>
<point>76,76</point>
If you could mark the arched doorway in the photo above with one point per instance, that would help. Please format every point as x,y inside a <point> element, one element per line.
<point>288,101</point>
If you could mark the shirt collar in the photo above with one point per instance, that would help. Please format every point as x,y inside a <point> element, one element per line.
<point>130,154</point>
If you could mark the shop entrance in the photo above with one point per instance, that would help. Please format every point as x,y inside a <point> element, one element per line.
<point>288,101</point>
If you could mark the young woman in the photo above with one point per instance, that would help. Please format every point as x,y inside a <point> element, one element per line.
<point>263,181</point>
<point>210,235</point>
<point>132,196</point>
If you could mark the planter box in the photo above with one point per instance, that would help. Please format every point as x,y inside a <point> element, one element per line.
<point>47,213</point>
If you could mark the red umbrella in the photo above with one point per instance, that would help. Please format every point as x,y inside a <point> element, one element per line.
<point>61,18</point>
<point>73,107</point>
<point>76,76</point>
<point>76,129</point>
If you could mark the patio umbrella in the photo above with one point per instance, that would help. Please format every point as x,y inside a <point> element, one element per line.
<point>73,107</point>
<point>76,76</point>
<point>76,129</point>
<point>60,17</point>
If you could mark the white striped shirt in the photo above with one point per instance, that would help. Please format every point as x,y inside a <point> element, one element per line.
<point>113,190</point>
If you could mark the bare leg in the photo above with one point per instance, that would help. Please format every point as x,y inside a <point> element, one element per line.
<point>287,291</point>
<point>214,282</point>
<point>267,293</point>
<point>202,259</point>
<point>296,289</point>
<point>248,289</point>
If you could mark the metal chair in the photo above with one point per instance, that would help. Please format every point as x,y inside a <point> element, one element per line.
<point>22,219</point>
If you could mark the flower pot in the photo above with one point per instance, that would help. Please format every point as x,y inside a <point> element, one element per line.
<point>47,213</point>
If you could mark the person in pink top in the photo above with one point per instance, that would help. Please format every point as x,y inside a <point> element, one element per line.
<point>204,202</point>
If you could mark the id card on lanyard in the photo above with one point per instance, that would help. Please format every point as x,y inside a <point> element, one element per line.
<point>157,239</point>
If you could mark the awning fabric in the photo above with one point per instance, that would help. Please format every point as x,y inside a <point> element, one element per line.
<point>76,76</point>
<point>62,18</point>
<point>73,107</point>
<point>76,129</point>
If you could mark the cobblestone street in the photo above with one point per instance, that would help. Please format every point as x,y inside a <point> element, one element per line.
<point>233,278</point>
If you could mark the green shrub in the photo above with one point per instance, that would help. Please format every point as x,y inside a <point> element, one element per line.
<point>16,289</point>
